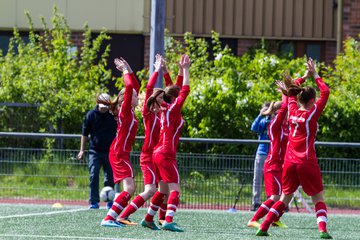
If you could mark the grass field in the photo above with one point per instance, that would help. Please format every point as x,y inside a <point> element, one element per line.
<point>77,222</point>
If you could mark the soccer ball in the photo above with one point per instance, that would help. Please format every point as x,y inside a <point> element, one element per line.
<point>107,194</point>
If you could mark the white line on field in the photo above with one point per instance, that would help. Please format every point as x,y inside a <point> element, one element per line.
<point>66,237</point>
<point>45,213</point>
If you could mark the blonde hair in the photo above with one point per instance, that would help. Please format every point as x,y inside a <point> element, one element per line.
<point>114,106</point>
<point>274,106</point>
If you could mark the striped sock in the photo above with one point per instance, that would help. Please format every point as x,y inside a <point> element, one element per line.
<point>277,209</point>
<point>321,216</point>
<point>162,211</point>
<point>133,206</point>
<point>263,210</point>
<point>155,202</point>
<point>173,202</point>
<point>119,204</point>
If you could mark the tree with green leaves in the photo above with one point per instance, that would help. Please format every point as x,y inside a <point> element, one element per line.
<point>46,71</point>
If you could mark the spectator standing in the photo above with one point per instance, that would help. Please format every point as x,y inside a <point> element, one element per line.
<point>101,126</point>
<point>259,126</point>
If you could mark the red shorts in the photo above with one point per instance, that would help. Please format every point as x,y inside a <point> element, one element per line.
<point>166,168</point>
<point>306,175</point>
<point>147,167</point>
<point>122,168</point>
<point>272,180</point>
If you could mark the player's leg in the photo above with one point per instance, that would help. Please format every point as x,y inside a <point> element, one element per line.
<point>94,171</point>
<point>120,202</point>
<point>108,174</point>
<point>312,185</point>
<point>149,190</point>
<point>138,201</point>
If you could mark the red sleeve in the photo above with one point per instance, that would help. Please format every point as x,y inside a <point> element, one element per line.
<point>168,81</point>
<point>179,80</point>
<point>282,111</point>
<point>126,105</point>
<point>299,81</point>
<point>135,82</point>
<point>149,90</point>
<point>323,98</point>
<point>179,101</point>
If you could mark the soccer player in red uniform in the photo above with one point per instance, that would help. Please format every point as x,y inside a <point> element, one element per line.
<point>151,119</point>
<point>278,135</point>
<point>278,131</point>
<point>301,166</point>
<point>164,155</point>
<point>119,155</point>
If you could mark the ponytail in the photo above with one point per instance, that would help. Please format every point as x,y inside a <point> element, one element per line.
<point>305,93</point>
<point>114,106</point>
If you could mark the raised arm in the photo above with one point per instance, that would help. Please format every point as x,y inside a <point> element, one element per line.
<point>185,64</point>
<point>122,65</point>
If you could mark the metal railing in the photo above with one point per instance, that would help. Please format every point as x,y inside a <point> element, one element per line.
<point>208,180</point>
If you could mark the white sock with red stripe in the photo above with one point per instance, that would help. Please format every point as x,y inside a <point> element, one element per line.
<point>119,204</point>
<point>155,203</point>
<point>321,216</point>
<point>173,202</point>
<point>133,206</point>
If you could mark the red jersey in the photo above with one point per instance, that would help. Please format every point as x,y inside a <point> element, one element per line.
<point>127,122</point>
<point>277,138</point>
<point>304,126</point>
<point>172,123</point>
<point>151,120</point>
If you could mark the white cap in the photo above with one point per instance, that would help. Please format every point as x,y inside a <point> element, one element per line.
<point>103,105</point>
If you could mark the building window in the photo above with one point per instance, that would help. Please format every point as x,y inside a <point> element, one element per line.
<point>287,49</point>
<point>313,51</point>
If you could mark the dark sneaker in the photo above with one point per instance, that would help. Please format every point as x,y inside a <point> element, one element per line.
<point>255,207</point>
<point>171,227</point>
<point>150,225</point>
<point>261,233</point>
<point>161,221</point>
<point>325,235</point>
<point>94,206</point>
<point>109,205</point>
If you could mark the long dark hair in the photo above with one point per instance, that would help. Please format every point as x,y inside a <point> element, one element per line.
<point>171,92</point>
<point>152,99</point>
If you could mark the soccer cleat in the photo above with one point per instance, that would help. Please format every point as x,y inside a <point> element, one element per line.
<point>94,206</point>
<point>253,224</point>
<point>171,227</point>
<point>279,224</point>
<point>325,235</point>
<point>109,205</point>
<point>127,221</point>
<point>261,233</point>
<point>111,223</point>
<point>150,225</point>
<point>161,221</point>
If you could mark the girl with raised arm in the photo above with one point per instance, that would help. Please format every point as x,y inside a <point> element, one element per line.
<point>123,108</point>
<point>301,165</point>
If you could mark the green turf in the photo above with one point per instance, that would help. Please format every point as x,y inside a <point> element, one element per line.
<point>39,222</point>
